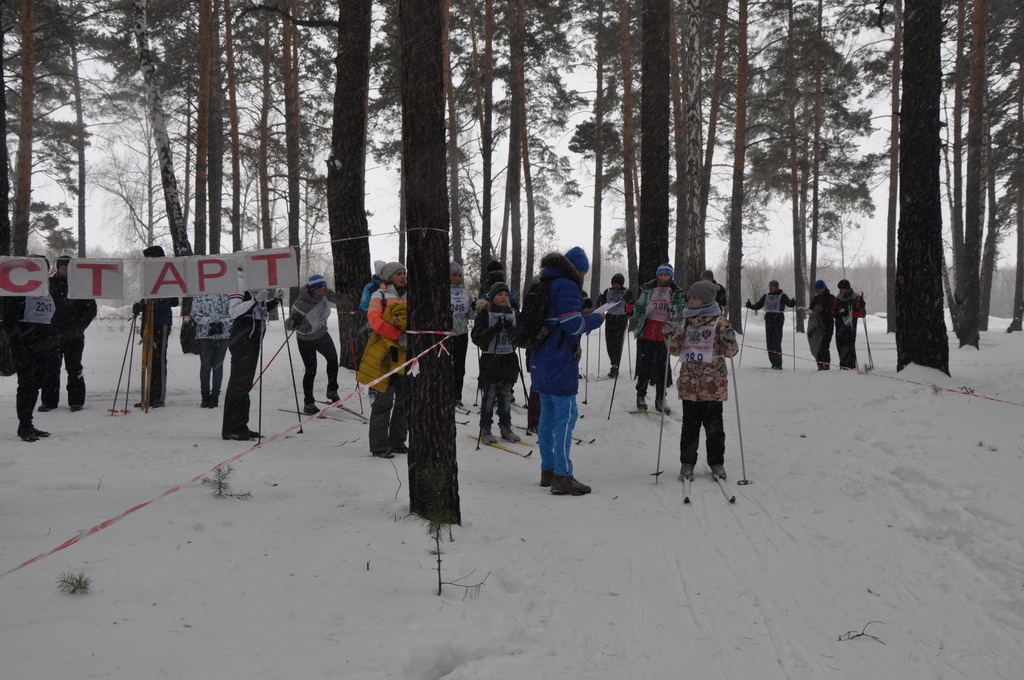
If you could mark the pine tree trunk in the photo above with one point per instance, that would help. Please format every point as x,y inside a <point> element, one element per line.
<point>974,198</point>
<point>988,255</point>
<point>595,253</point>
<point>172,199</point>
<point>430,406</point>
<point>487,138</point>
<point>23,163</point>
<point>654,137</point>
<point>960,66</point>
<point>531,218</point>
<point>236,161</point>
<point>679,147</point>
<point>816,145</point>
<point>76,90</point>
<point>738,169</point>
<point>714,106</point>
<point>199,222</point>
<point>215,150</point>
<point>346,174</point>
<point>799,269</point>
<point>518,57</point>
<point>920,321</point>
<point>292,125</point>
<point>629,174</point>
<point>1018,279</point>
<point>453,142</point>
<point>5,161</point>
<point>894,169</point>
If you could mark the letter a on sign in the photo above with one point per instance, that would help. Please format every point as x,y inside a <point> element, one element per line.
<point>163,277</point>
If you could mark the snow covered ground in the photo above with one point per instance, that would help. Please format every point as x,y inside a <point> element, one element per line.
<point>886,504</point>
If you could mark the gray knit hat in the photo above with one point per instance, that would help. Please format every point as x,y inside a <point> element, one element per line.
<point>705,291</point>
<point>388,270</point>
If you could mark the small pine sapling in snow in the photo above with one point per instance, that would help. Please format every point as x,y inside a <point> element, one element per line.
<point>73,583</point>
<point>221,487</point>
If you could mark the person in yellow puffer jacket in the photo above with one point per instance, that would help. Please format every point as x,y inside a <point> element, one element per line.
<point>387,315</point>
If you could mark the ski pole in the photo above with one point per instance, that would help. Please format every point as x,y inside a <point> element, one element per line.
<point>743,332</point>
<point>615,382</point>
<point>794,339</point>
<point>739,428</point>
<point>131,335</point>
<point>522,379</point>
<point>295,389</point>
<point>599,330</point>
<point>586,373</point>
<point>262,369</point>
<point>476,397</point>
<point>661,426</point>
<point>629,350</point>
<point>871,362</point>
<point>259,418</point>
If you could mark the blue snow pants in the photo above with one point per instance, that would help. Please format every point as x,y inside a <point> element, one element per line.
<point>558,416</point>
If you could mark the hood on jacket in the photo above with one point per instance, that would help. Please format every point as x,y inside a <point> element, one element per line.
<point>556,265</point>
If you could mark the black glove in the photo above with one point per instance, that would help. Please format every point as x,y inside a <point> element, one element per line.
<point>293,321</point>
<point>138,308</point>
<point>215,327</point>
<point>748,305</point>
<point>507,325</point>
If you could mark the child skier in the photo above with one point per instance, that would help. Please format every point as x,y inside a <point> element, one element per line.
<point>702,342</point>
<point>499,365</point>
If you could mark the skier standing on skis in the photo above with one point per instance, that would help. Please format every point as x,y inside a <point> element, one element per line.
<point>819,324</point>
<point>308,319</point>
<point>774,302</point>
<point>499,364</point>
<point>555,365</point>
<point>846,309</point>
<point>661,301</point>
<point>702,342</point>
<point>617,319</point>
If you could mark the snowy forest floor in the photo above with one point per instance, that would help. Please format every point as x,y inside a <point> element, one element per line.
<point>887,504</point>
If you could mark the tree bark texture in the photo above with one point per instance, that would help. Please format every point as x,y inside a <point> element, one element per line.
<point>1018,279</point>
<point>799,233</point>
<point>76,89</point>
<point>23,162</point>
<point>894,169</point>
<point>453,142</point>
<point>346,173</point>
<point>215,148</point>
<point>165,160</point>
<point>654,137</point>
<point>629,174</point>
<point>263,153</point>
<point>431,407</point>
<point>693,179</point>
<point>595,252</point>
<point>5,161</point>
<point>735,257</point>
<point>236,160</point>
<point>199,222</point>
<point>292,124</point>
<point>920,325</point>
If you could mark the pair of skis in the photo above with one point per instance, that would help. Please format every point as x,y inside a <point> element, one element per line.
<point>508,448</point>
<point>719,480</point>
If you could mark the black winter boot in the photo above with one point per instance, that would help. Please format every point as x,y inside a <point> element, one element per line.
<point>206,400</point>
<point>214,400</point>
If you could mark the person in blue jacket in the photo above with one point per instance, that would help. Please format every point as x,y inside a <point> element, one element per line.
<point>554,365</point>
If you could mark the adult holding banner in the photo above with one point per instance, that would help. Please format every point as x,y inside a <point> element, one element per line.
<point>156,329</point>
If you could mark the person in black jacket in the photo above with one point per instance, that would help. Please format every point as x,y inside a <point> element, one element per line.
<point>249,311</point>
<point>26,322</point>
<point>499,364</point>
<point>721,295</point>
<point>162,320</point>
<point>819,324</point>
<point>617,319</point>
<point>773,303</point>
<point>70,319</point>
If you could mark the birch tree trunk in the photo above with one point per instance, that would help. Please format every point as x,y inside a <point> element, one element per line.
<point>735,256</point>
<point>292,124</point>
<point>1018,279</point>
<point>894,169</point>
<point>5,161</point>
<point>215,150</point>
<point>165,159</point>
<point>263,153</point>
<point>199,222</point>
<point>693,182</point>
<point>433,468</point>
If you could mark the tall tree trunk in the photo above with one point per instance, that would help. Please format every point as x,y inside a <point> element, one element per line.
<point>531,215</point>
<point>199,222</point>
<point>920,321</point>
<point>894,169</point>
<point>215,150</point>
<point>714,105</point>
<point>988,256</point>
<point>679,146</point>
<point>1018,279</point>
<point>974,199</point>
<point>960,66</point>
<point>816,145</point>
<point>172,199</point>
<point>595,253</point>
<point>654,156</point>
<point>487,138</point>
<point>263,154</point>
<point>292,125</point>
<point>23,164</point>
<point>76,89</point>
<point>693,182</point>
<point>517,45</point>
<point>799,233</point>
<point>433,469</point>
<point>236,159</point>
<point>5,161</point>
<point>738,170</point>
<point>346,173</point>
<point>629,174</point>
<point>453,142</point>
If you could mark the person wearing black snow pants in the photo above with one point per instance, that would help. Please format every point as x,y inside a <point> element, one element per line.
<point>773,303</point>
<point>70,319</point>
<point>249,311</point>
<point>309,321</point>
<point>616,320</point>
<point>308,349</point>
<point>846,309</point>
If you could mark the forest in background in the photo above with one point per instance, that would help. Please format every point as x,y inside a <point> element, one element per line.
<point>250,100</point>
